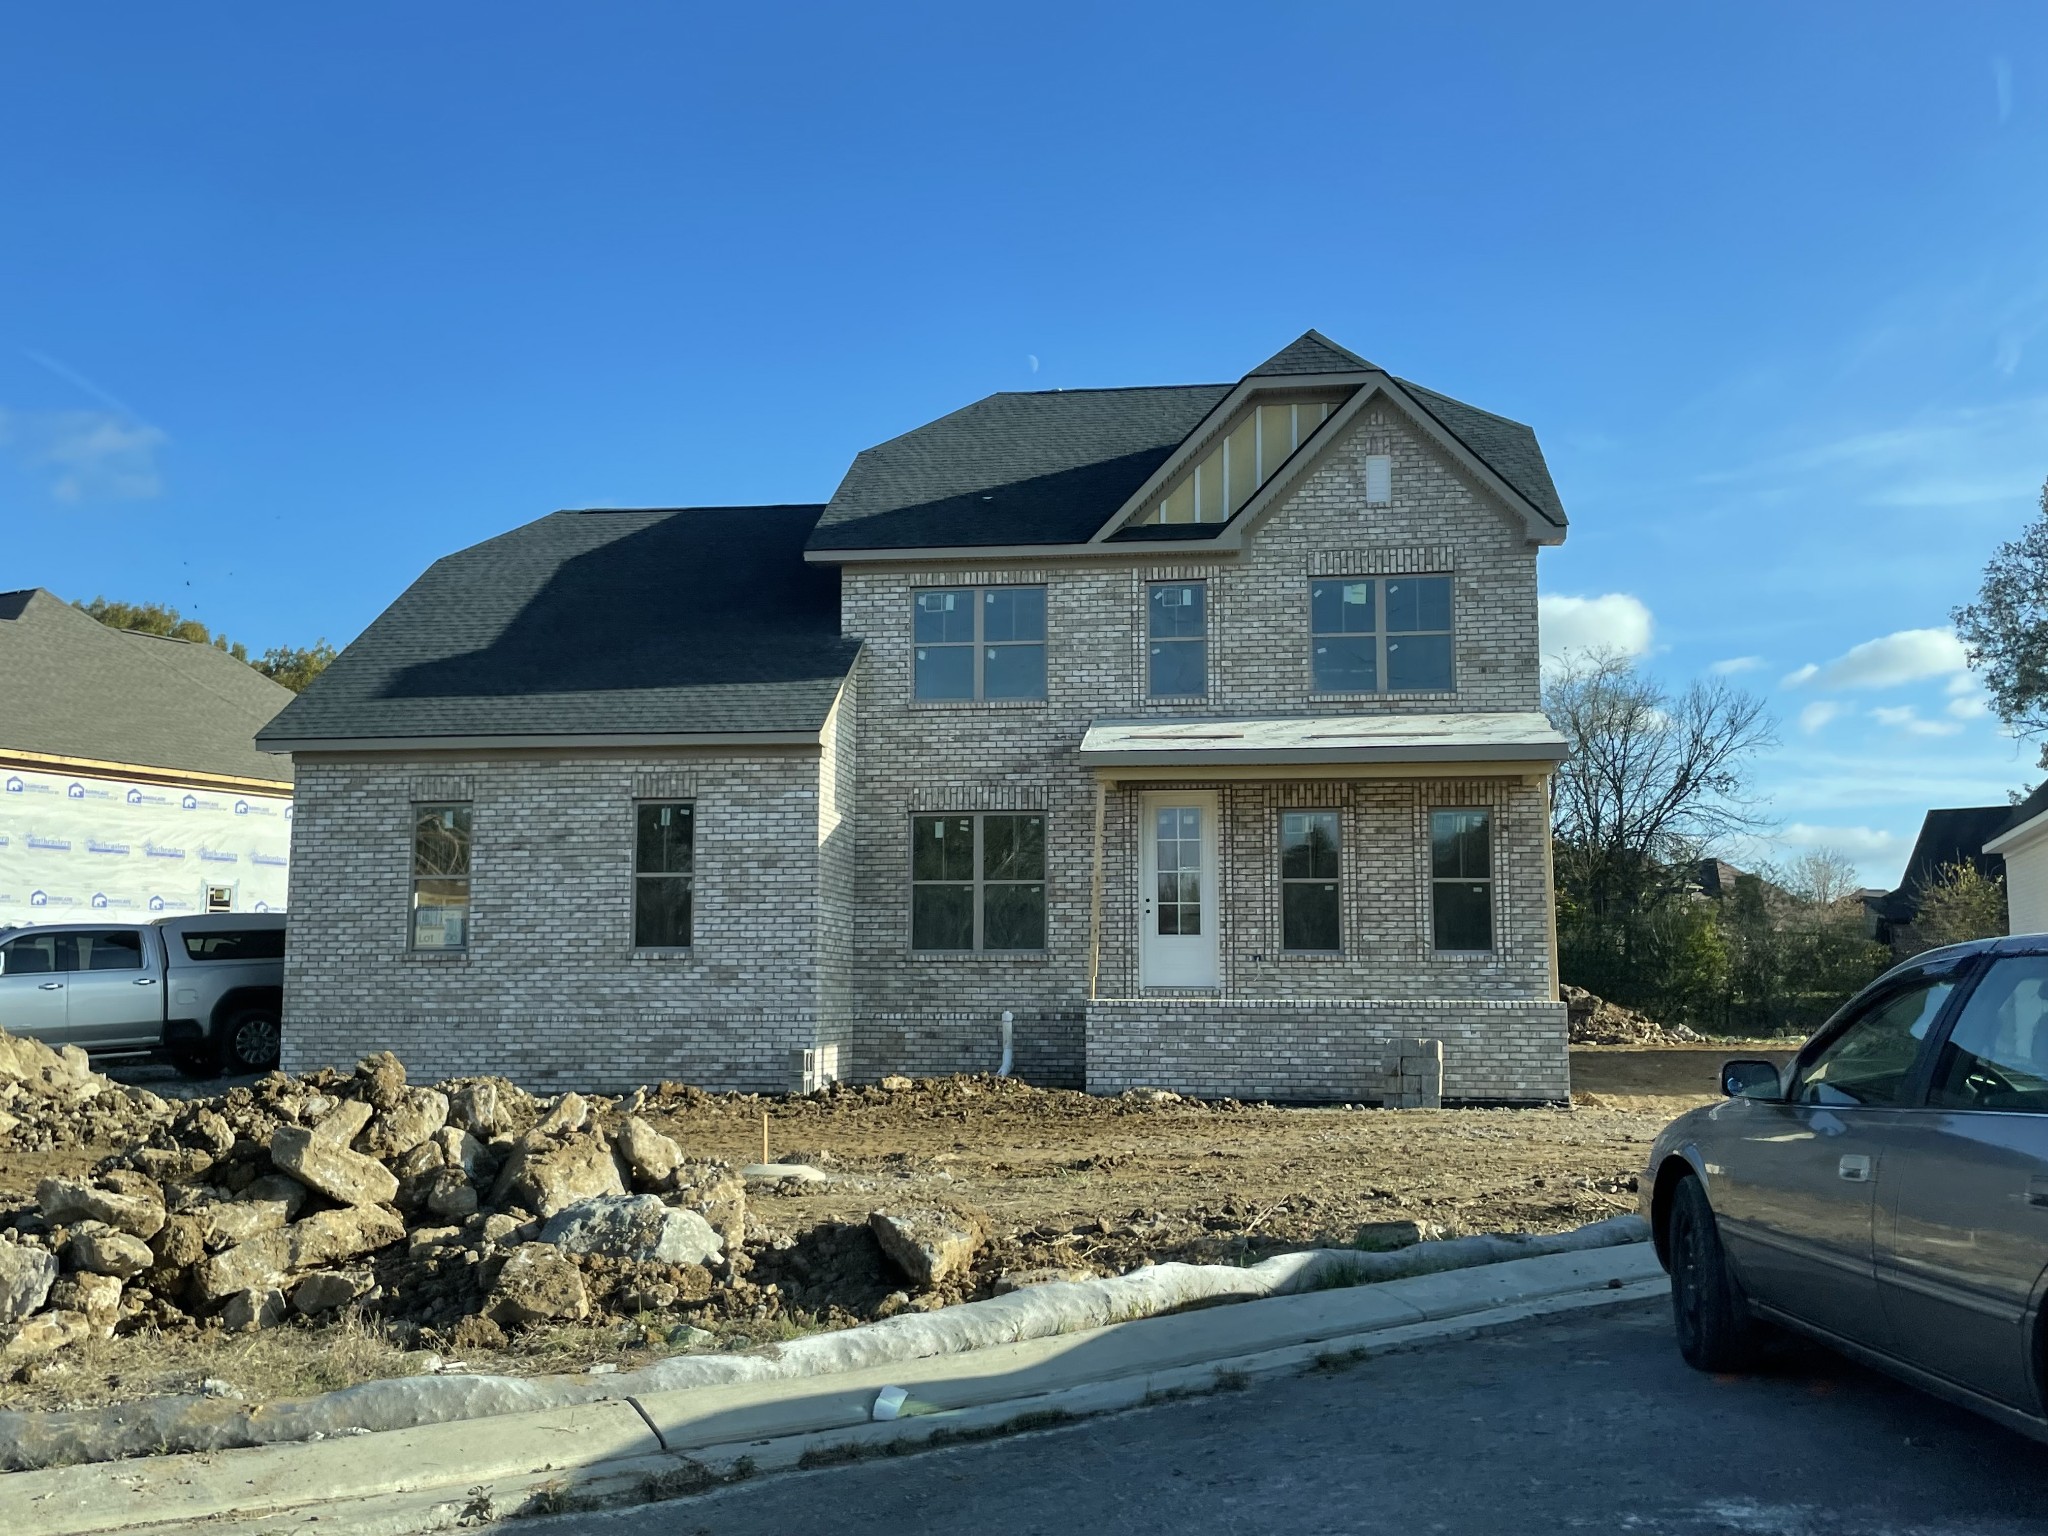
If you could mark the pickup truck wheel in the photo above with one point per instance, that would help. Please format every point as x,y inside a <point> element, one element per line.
<point>1715,1330</point>
<point>249,1040</point>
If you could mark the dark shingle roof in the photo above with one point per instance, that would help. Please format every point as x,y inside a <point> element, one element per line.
<point>1955,835</point>
<point>1053,468</point>
<point>72,687</point>
<point>1506,447</point>
<point>676,621</point>
<point>1012,469</point>
<point>2027,809</point>
<point>1312,352</point>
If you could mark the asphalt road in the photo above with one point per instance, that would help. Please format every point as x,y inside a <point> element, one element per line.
<point>1583,1426</point>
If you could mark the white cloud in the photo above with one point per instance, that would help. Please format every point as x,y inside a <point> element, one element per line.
<point>1818,714</point>
<point>88,455</point>
<point>1903,717</point>
<point>1960,684</point>
<point>1969,707</point>
<point>1856,842</point>
<point>1614,621</point>
<point>1905,656</point>
<point>1733,665</point>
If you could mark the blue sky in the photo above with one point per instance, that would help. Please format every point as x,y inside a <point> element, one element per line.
<point>294,300</point>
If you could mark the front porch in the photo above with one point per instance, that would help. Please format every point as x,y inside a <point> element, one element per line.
<point>1282,909</point>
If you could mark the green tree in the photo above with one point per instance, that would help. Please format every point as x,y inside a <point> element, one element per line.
<point>158,619</point>
<point>295,667</point>
<point>1960,903</point>
<point>2006,630</point>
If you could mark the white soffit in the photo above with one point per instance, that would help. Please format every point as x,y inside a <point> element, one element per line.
<point>1520,737</point>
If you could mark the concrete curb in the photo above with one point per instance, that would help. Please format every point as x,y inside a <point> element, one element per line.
<point>29,1441</point>
<point>666,1444</point>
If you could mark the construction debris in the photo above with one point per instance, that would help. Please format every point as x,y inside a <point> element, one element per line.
<point>1595,1021</point>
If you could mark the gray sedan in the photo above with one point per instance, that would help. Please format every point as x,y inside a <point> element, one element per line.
<point>1887,1193</point>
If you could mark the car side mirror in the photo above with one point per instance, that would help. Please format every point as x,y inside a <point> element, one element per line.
<point>1751,1080</point>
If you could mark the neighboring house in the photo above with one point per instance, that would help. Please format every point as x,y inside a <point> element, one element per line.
<point>130,782</point>
<point>1195,728</point>
<point>2023,843</point>
<point>1957,835</point>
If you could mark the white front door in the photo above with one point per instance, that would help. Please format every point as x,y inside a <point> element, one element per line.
<point>1177,889</point>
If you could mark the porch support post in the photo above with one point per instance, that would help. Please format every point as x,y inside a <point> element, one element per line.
<point>1550,889</point>
<point>1095,896</point>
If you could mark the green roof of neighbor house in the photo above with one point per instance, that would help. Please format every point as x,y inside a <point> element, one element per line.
<point>674,622</point>
<point>70,687</point>
<point>1053,467</point>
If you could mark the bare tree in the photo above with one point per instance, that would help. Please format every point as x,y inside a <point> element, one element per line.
<point>1653,779</point>
<point>1822,876</point>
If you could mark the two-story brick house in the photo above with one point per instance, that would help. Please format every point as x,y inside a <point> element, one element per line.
<point>1196,728</point>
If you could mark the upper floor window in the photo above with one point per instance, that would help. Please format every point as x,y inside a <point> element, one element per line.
<point>1177,639</point>
<point>1381,635</point>
<point>979,642</point>
<point>1230,474</point>
<point>440,876</point>
<point>664,839</point>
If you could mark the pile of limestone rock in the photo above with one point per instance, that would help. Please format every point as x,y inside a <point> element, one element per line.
<point>470,1207</point>
<point>1596,1021</point>
<point>52,1098</point>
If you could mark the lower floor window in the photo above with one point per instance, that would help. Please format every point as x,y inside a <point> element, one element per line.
<point>1461,879</point>
<point>1309,914</point>
<point>977,882</point>
<point>663,869</point>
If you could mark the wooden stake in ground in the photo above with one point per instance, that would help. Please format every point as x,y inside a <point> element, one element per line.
<point>764,1136</point>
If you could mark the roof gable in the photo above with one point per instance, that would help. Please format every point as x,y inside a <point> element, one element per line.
<point>665,622</point>
<point>1311,352</point>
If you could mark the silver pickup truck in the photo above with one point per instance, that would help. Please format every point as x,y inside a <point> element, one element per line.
<point>207,992</point>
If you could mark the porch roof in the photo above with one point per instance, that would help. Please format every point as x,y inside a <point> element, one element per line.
<point>1113,747</point>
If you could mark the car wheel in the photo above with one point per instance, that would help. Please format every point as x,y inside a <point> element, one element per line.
<point>1715,1330</point>
<point>250,1040</point>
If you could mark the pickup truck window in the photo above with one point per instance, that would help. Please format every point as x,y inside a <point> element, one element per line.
<point>35,954</point>
<point>236,944</point>
<point>115,949</point>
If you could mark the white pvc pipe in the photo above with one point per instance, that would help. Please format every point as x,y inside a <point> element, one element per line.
<point>1004,1069</point>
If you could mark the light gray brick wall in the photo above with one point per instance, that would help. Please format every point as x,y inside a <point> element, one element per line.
<point>934,1013</point>
<point>551,990</point>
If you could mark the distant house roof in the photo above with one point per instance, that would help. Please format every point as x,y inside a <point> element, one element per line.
<point>72,688</point>
<point>677,622</point>
<point>1952,836</point>
<point>1052,468</point>
<point>1717,877</point>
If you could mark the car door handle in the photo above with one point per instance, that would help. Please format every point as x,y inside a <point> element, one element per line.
<point>51,986</point>
<point>1855,1167</point>
<point>145,981</point>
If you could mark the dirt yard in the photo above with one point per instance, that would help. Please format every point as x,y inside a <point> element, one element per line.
<point>1063,1180</point>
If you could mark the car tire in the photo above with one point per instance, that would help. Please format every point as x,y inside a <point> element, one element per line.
<point>1715,1329</point>
<point>249,1040</point>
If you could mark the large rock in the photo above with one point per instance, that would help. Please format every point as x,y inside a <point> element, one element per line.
<point>326,1237</point>
<point>719,1196</point>
<point>324,1291</point>
<point>64,1201</point>
<point>382,1079</point>
<point>26,1275</point>
<point>97,1298</point>
<point>417,1115</point>
<point>570,1113</point>
<point>236,1221</point>
<point>634,1227</point>
<point>929,1245</point>
<point>458,1149</point>
<point>248,1310</point>
<point>545,1175</point>
<point>651,1156</point>
<point>489,1107</point>
<point>277,1186</point>
<point>449,1195</point>
<point>537,1284</point>
<point>104,1251</point>
<point>319,1160</point>
<point>45,1335</point>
